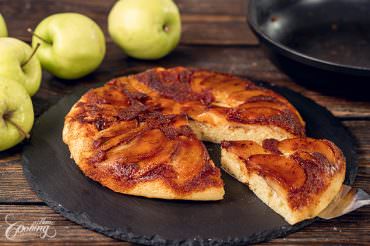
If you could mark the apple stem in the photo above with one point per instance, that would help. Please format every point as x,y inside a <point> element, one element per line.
<point>166,28</point>
<point>32,54</point>
<point>20,130</point>
<point>38,36</point>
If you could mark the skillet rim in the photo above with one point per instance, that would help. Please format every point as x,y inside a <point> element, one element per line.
<point>296,55</point>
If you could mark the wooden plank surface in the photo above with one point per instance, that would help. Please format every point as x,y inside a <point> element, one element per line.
<point>215,36</point>
<point>250,62</point>
<point>204,22</point>
<point>349,229</point>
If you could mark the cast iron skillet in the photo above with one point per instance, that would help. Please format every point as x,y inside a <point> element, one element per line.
<point>316,38</point>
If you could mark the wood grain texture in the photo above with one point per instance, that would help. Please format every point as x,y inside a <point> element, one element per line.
<point>248,62</point>
<point>204,22</point>
<point>348,229</point>
<point>215,36</point>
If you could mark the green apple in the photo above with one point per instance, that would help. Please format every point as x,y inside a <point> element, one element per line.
<point>16,113</point>
<point>145,29</point>
<point>72,45</point>
<point>3,29</point>
<point>18,63</point>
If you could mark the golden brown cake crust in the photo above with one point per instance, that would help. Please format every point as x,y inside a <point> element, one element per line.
<point>301,170</point>
<point>126,142</point>
<point>238,100</point>
<point>134,133</point>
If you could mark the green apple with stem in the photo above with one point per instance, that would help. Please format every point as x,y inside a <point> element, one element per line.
<point>145,29</point>
<point>72,45</point>
<point>3,29</point>
<point>19,63</point>
<point>16,113</point>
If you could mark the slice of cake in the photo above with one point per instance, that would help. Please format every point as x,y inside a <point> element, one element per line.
<point>296,177</point>
<point>130,147</point>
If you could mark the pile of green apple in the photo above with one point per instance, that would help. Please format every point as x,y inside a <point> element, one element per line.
<point>70,46</point>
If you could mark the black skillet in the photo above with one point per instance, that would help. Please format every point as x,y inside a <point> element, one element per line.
<point>316,41</point>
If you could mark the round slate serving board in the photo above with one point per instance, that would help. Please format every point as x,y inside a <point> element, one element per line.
<point>238,219</point>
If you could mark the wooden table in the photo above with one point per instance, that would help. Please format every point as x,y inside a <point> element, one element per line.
<point>215,36</point>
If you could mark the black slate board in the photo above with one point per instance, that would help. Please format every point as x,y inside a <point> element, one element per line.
<point>239,219</point>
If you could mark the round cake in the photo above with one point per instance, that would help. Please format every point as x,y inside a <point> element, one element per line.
<point>142,134</point>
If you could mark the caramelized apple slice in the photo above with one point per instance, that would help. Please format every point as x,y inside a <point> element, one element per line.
<point>268,116</point>
<point>262,104</point>
<point>189,158</point>
<point>283,170</point>
<point>163,156</point>
<point>105,144</point>
<point>146,144</point>
<point>220,83</point>
<point>309,145</point>
<point>239,97</point>
<point>244,149</point>
<point>115,130</point>
<point>213,115</point>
